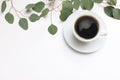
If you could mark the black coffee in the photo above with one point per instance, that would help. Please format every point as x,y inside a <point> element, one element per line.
<point>86,27</point>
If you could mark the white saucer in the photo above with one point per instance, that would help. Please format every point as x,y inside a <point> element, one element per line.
<point>79,46</point>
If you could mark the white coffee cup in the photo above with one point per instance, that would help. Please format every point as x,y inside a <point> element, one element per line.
<point>78,16</point>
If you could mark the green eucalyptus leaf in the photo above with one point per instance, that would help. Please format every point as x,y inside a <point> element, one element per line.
<point>44,12</point>
<point>9,18</point>
<point>67,5</point>
<point>67,9</point>
<point>72,0</point>
<point>39,6</point>
<point>65,14</point>
<point>76,4</point>
<point>109,11</point>
<point>116,13</point>
<point>87,4</point>
<point>23,23</point>
<point>29,6</point>
<point>112,2</point>
<point>34,17</point>
<point>98,1</point>
<point>3,7</point>
<point>52,29</point>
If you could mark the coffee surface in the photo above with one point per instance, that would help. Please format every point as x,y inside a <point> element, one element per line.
<point>86,27</point>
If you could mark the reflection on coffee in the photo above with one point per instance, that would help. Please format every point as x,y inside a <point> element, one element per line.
<point>86,27</point>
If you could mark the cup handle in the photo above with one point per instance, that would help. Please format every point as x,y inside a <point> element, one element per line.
<point>103,33</point>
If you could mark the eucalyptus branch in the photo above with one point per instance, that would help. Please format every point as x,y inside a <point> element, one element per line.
<point>65,8</point>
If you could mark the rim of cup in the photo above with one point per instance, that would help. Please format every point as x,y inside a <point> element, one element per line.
<point>79,14</point>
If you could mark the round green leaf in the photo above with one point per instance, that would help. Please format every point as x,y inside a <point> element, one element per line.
<point>23,23</point>
<point>3,7</point>
<point>98,1</point>
<point>116,13</point>
<point>65,14</point>
<point>67,9</point>
<point>76,4</point>
<point>87,4</point>
<point>112,2</point>
<point>9,18</point>
<point>39,6</point>
<point>67,5</point>
<point>29,6</point>
<point>52,29</point>
<point>44,12</point>
<point>109,11</point>
<point>34,17</point>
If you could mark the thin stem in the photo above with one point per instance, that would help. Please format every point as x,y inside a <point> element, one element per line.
<point>58,8</point>
<point>51,17</point>
<point>16,11</point>
<point>59,5</point>
<point>53,3</point>
<point>12,7</point>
